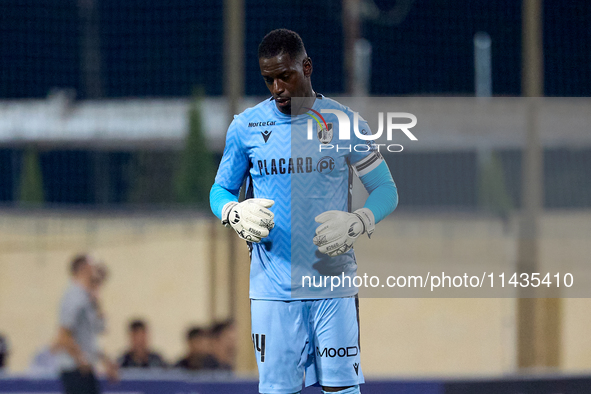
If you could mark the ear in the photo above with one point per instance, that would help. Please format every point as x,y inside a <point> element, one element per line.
<point>307,66</point>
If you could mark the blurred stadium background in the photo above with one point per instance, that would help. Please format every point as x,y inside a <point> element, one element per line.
<point>112,122</point>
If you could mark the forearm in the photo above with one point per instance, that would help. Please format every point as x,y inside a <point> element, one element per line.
<point>219,196</point>
<point>66,342</point>
<point>383,195</point>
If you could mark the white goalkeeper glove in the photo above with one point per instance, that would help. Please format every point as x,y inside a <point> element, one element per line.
<point>250,219</point>
<point>339,230</point>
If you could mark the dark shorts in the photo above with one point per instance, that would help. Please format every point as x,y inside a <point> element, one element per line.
<point>75,382</point>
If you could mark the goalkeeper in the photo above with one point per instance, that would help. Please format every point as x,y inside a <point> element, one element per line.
<point>297,220</point>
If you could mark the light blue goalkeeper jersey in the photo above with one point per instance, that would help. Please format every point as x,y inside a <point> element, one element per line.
<point>279,161</point>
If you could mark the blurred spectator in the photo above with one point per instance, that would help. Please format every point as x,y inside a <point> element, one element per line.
<point>3,352</point>
<point>222,347</point>
<point>198,344</point>
<point>139,354</point>
<point>80,323</point>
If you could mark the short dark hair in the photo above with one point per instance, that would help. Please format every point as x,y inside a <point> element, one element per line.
<point>281,41</point>
<point>77,263</point>
<point>218,328</point>
<point>137,324</point>
<point>195,332</point>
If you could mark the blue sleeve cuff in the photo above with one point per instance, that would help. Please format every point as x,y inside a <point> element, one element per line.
<point>218,197</point>
<point>383,196</point>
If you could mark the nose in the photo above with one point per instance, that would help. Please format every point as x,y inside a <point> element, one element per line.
<point>278,87</point>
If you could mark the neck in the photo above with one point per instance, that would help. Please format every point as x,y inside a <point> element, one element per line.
<point>85,283</point>
<point>303,105</point>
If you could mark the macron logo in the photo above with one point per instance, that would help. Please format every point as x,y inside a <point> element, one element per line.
<point>266,134</point>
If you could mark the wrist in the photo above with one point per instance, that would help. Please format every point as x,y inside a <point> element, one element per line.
<point>226,212</point>
<point>367,218</point>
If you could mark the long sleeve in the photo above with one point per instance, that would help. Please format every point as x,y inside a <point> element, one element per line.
<point>231,172</point>
<point>383,195</point>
